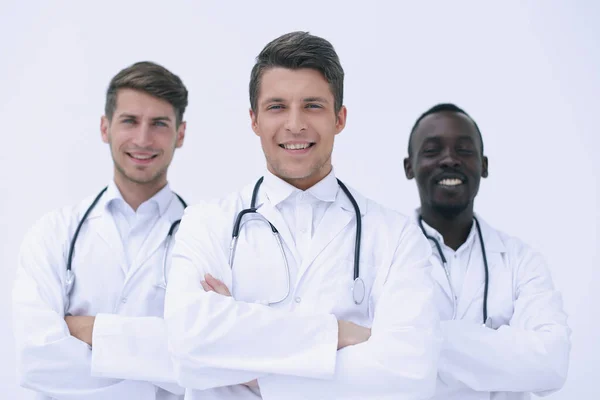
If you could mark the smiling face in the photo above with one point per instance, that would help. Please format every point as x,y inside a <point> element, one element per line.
<point>447,163</point>
<point>296,121</point>
<point>143,136</point>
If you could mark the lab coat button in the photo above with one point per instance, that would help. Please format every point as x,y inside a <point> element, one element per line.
<point>298,299</point>
<point>124,300</point>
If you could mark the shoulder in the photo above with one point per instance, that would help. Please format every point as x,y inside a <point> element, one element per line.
<point>51,234</point>
<point>378,216</point>
<point>389,228</point>
<point>215,215</point>
<point>60,220</point>
<point>517,252</point>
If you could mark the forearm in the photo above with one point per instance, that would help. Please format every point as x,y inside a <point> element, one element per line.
<point>507,359</point>
<point>133,348</point>
<point>61,370</point>
<point>388,366</point>
<point>248,340</point>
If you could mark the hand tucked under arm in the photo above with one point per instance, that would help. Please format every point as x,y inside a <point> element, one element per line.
<point>81,327</point>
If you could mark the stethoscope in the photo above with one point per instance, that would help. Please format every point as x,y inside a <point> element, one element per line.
<point>358,289</point>
<point>486,322</point>
<point>70,277</point>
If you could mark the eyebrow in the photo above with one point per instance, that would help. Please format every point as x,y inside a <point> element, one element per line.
<point>315,99</point>
<point>272,100</point>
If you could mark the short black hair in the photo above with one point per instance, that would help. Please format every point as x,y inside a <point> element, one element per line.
<point>296,50</point>
<point>440,108</point>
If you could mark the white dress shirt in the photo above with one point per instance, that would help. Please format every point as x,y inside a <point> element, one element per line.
<point>135,226</point>
<point>301,210</point>
<point>457,261</point>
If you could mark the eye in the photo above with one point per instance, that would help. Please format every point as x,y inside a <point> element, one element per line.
<point>160,123</point>
<point>275,107</point>
<point>465,151</point>
<point>313,105</point>
<point>430,151</point>
<point>128,121</point>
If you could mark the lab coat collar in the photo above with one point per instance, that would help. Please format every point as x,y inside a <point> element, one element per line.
<point>161,200</point>
<point>278,190</point>
<point>491,238</point>
<point>327,190</point>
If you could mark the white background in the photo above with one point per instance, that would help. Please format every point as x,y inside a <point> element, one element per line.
<point>528,73</point>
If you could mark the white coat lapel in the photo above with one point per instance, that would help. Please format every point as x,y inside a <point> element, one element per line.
<point>439,274</point>
<point>273,215</point>
<point>334,221</point>
<point>104,225</point>
<point>474,283</point>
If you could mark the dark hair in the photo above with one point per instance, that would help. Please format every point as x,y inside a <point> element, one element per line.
<point>297,50</point>
<point>440,108</point>
<point>153,79</point>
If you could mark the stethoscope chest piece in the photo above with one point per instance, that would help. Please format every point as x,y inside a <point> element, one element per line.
<point>69,281</point>
<point>358,291</point>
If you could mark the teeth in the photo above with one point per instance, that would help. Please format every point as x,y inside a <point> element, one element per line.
<point>450,182</point>
<point>141,157</point>
<point>296,146</point>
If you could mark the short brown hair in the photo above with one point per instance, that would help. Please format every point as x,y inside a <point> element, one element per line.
<point>297,50</point>
<point>153,79</point>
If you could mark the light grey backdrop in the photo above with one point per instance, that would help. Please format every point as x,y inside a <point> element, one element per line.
<point>528,72</point>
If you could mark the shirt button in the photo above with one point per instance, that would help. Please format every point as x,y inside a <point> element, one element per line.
<point>124,300</point>
<point>298,299</point>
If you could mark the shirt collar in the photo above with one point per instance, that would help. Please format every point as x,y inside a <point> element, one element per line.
<point>161,200</point>
<point>278,190</point>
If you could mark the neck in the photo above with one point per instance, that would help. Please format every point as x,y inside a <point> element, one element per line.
<point>309,181</point>
<point>135,193</point>
<point>454,230</point>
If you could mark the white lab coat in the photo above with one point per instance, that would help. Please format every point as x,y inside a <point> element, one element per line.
<point>129,359</point>
<point>526,349</point>
<point>219,342</point>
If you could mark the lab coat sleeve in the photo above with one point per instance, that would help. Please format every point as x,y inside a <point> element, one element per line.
<point>531,354</point>
<point>217,341</point>
<point>399,361</point>
<point>133,348</point>
<point>49,360</point>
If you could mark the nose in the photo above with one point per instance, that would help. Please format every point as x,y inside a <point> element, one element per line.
<point>295,122</point>
<point>449,159</point>
<point>143,135</point>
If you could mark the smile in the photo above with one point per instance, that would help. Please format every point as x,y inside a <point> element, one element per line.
<point>142,157</point>
<point>450,182</point>
<point>296,146</point>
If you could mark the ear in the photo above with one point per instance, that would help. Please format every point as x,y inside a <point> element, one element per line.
<point>484,167</point>
<point>340,122</point>
<point>180,134</point>
<point>408,170</point>
<point>104,128</point>
<point>254,122</point>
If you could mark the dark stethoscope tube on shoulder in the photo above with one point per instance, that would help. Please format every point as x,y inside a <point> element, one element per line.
<point>487,322</point>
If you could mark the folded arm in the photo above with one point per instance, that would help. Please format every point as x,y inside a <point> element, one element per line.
<point>530,354</point>
<point>49,359</point>
<point>133,348</point>
<point>217,341</point>
<point>400,358</point>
